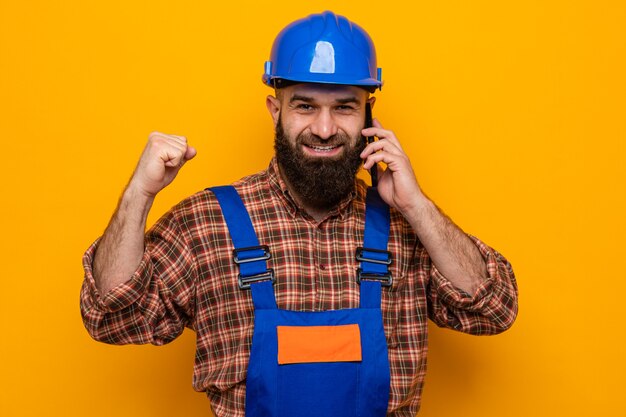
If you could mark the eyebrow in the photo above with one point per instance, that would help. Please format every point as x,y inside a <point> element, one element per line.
<point>348,100</point>
<point>297,97</point>
<point>307,99</point>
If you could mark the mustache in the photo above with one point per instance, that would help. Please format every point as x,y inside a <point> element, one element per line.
<point>314,140</point>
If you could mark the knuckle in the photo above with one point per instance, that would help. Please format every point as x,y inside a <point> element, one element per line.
<point>156,135</point>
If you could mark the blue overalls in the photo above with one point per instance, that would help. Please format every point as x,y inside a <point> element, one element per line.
<point>323,364</point>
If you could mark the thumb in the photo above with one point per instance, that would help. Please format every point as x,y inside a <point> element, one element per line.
<point>190,153</point>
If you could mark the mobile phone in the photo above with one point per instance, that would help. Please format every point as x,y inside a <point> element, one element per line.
<point>369,139</point>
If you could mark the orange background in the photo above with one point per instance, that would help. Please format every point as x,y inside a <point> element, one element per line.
<point>513,114</point>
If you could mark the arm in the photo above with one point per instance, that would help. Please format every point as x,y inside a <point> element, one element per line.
<point>491,309</point>
<point>122,243</point>
<point>471,287</point>
<point>132,293</point>
<point>450,248</point>
<point>456,256</point>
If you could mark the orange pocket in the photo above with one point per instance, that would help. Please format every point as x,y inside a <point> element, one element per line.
<point>302,344</point>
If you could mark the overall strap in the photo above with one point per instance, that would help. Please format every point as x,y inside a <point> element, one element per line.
<point>374,256</point>
<point>248,254</point>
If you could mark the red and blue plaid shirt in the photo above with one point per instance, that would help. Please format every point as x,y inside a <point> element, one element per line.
<point>187,278</point>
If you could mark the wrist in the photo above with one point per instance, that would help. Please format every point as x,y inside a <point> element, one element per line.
<point>419,205</point>
<point>135,191</point>
<point>420,212</point>
<point>135,199</point>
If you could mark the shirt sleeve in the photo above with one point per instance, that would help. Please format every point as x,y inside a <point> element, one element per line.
<point>157,301</point>
<point>490,310</point>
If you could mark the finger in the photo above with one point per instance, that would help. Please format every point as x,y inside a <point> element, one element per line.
<point>190,151</point>
<point>173,154</point>
<point>381,145</point>
<point>165,144</point>
<point>374,159</point>
<point>173,157</point>
<point>376,131</point>
<point>376,125</point>
<point>381,133</point>
<point>395,162</point>
<point>157,134</point>
<point>181,140</point>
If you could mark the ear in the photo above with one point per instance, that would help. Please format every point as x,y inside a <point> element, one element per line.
<point>273,106</point>
<point>371,101</point>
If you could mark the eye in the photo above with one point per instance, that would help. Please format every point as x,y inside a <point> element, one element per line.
<point>345,108</point>
<point>304,106</point>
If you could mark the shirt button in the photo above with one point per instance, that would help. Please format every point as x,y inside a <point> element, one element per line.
<point>322,267</point>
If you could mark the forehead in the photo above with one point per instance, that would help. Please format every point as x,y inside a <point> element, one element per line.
<point>324,92</point>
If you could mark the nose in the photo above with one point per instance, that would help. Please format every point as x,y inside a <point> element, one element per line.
<point>324,125</point>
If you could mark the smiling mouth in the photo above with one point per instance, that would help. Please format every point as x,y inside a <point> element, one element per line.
<point>318,148</point>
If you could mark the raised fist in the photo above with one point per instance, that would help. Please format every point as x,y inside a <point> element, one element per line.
<point>160,162</point>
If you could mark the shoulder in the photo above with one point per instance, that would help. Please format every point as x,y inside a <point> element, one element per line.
<point>203,207</point>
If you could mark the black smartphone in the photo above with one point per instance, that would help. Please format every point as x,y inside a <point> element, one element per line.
<point>370,139</point>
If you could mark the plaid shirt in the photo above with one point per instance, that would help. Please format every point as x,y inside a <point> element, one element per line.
<point>187,278</point>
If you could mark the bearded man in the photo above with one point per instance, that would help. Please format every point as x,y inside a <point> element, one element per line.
<point>309,291</point>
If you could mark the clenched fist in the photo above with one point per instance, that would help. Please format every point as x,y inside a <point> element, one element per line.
<point>160,161</point>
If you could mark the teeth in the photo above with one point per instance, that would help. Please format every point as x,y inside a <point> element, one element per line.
<point>322,148</point>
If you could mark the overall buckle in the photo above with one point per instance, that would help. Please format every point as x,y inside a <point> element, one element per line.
<point>240,257</point>
<point>386,280</point>
<point>361,257</point>
<point>244,282</point>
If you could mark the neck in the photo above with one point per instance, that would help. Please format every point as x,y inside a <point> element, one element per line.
<point>317,214</point>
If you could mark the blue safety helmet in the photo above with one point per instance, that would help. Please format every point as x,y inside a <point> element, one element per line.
<point>323,48</point>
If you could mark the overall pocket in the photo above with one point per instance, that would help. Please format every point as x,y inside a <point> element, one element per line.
<point>319,370</point>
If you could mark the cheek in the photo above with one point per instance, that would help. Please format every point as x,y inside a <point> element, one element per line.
<point>353,128</point>
<point>354,135</point>
<point>293,128</point>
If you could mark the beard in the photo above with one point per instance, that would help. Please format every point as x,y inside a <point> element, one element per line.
<point>319,182</point>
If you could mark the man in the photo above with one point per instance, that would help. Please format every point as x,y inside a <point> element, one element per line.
<point>291,322</point>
